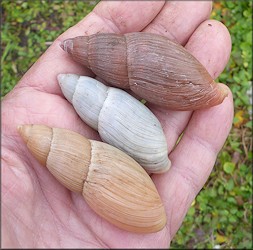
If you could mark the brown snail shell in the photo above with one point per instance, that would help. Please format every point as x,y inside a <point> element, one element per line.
<point>155,68</point>
<point>114,185</point>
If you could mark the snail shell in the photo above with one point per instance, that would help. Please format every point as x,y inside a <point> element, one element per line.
<point>155,68</point>
<point>120,119</point>
<point>114,185</point>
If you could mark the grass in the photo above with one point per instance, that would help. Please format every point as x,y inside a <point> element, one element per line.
<point>221,215</point>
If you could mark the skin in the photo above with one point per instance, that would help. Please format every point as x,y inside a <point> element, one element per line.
<point>39,212</point>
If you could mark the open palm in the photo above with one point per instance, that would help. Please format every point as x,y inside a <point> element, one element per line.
<point>37,211</point>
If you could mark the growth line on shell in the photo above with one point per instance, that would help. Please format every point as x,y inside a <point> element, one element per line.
<point>89,167</point>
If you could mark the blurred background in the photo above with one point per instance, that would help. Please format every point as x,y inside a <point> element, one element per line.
<point>221,214</point>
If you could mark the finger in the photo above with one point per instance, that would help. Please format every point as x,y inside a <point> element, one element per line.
<point>107,16</point>
<point>124,16</point>
<point>193,160</point>
<point>211,45</point>
<point>178,19</point>
<point>212,49</point>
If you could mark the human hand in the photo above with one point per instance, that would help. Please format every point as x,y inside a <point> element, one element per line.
<point>37,211</point>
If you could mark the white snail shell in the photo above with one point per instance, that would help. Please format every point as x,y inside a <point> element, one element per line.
<point>120,119</point>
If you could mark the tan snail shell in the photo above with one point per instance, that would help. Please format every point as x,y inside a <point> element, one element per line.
<point>120,119</point>
<point>155,68</point>
<point>114,185</point>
